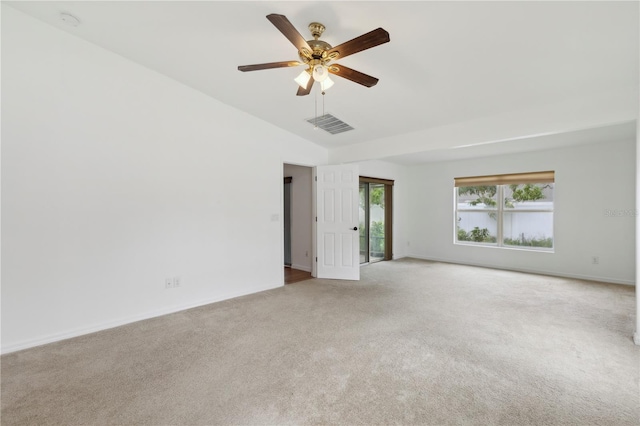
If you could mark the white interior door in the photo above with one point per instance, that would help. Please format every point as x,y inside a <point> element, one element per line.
<point>337,236</point>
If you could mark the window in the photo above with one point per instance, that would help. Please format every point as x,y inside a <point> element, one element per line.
<point>514,211</point>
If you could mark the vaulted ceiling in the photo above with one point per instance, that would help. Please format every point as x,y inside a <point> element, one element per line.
<point>447,64</point>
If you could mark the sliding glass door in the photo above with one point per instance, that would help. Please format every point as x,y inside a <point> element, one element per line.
<point>375,223</point>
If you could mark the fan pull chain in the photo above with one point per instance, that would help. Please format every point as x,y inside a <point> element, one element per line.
<point>315,121</point>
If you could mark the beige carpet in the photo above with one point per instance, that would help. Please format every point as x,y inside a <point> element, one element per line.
<point>413,342</point>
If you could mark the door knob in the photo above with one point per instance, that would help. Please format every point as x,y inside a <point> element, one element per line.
<point>355,228</point>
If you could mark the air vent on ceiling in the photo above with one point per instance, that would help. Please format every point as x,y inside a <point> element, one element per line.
<point>330,124</point>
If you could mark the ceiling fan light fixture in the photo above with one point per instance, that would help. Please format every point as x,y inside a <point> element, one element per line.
<point>326,84</point>
<point>320,73</point>
<point>303,79</point>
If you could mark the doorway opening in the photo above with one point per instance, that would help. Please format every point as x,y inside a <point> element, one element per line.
<point>297,221</point>
<point>375,219</point>
<point>287,221</point>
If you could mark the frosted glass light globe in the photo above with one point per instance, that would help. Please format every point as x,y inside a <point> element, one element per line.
<point>320,73</point>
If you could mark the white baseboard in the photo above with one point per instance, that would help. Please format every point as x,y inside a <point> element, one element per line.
<point>56,337</point>
<point>530,271</point>
<point>301,268</point>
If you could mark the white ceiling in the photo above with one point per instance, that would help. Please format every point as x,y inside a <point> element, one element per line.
<point>447,62</point>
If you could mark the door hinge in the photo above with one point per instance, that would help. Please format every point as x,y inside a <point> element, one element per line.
<point>316,178</point>
<point>316,218</point>
<point>316,258</point>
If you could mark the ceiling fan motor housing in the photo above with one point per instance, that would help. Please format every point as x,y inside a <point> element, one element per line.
<point>318,47</point>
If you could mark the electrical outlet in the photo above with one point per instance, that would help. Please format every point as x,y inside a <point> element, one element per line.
<point>177,282</point>
<point>168,283</point>
<point>595,260</point>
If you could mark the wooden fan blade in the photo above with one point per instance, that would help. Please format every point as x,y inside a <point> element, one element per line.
<point>307,90</point>
<point>366,41</point>
<point>353,75</point>
<point>257,67</point>
<point>282,23</point>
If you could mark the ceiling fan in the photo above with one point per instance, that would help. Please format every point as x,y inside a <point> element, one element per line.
<point>318,55</point>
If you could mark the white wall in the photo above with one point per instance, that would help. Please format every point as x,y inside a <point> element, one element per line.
<point>590,180</point>
<point>115,177</point>
<point>397,173</point>
<point>301,249</point>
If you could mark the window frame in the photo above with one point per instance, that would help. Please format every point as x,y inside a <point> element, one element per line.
<point>500,210</point>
